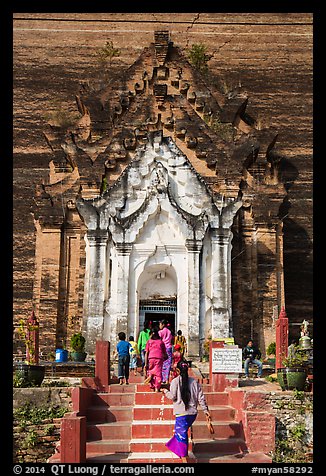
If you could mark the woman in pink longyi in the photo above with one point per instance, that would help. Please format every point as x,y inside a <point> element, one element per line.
<point>166,336</point>
<point>155,355</point>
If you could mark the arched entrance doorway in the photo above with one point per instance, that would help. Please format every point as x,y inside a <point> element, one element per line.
<point>157,293</point>
<point>153,311</point>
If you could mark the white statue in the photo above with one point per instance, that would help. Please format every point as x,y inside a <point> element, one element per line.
<point>304,328</point>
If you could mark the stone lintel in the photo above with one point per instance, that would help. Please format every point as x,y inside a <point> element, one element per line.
<point>51,226</point>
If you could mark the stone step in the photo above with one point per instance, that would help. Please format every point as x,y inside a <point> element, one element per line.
<point>159,428</point>
<point>114,398</point>
<point>168,457</point>
<point>150,429</point>
<point>164,428</point>
<point>165,412</point>
<point>218,446</point>
<point>149,444</point>
<point>108,446</point>
<point>141,387</point>
<point>212,398</point>
<point>105,414</point>
<point>106,431</point>
<point>116,388</point>
<point>201,447</point>
<point>259,458</point>
<point>144,457</point>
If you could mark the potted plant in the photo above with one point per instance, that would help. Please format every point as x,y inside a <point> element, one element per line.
<point>270,352</point>
<point>294,374</point>
<point>77,344</point>
<point>206,346</point>
<point>30,373</point>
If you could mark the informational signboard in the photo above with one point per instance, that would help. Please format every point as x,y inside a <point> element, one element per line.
<point>227,360</point>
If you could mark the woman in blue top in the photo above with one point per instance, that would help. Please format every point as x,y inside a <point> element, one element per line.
<point>123,349</point>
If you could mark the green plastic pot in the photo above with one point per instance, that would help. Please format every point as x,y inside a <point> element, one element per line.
<point>292,378</point>
<point>78,356</point>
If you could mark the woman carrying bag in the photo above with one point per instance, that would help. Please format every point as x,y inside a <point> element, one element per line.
<point>186,393</point>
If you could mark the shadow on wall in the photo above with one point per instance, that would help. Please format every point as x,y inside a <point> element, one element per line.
<point>298,267</point>
<point>298,282</point>
<point>248,291</point>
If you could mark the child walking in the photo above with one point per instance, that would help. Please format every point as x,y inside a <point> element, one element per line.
<point>154,357</point>
<point>181,340</point>
<point>123,349</point>
<point>142,340</point>
<point>176,357</point>
<point>133,354</point>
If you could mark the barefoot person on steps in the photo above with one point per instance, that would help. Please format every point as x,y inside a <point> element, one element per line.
<point>123,350</point>
<point>186,393</point>
<point>154,357</point>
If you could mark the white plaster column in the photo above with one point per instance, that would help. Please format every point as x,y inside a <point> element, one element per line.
<point>194,247</point>
<point>95,287</point>
<point>221,282</point>
<point>119,301</point>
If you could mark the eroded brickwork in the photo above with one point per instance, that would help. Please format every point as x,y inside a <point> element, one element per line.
<point>267,55</point>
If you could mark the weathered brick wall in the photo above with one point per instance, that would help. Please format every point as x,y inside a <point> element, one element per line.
<point>44,396</point>
<point>35,443</point>
<point>269,54</point>
<point>289,413</point>
<point>292,414</point>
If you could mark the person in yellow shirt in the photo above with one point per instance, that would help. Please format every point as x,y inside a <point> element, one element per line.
<point>134,354</point>
<point>181,340</point>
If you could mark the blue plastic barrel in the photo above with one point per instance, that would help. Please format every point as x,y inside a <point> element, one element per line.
<point>61,355</point>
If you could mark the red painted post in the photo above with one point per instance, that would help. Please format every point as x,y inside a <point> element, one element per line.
<point>282,339</point>
<point>32,336</point>
<point>73,439</point>
<point>102,363</point>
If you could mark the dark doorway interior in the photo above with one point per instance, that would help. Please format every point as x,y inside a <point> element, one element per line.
<point>156,317</point>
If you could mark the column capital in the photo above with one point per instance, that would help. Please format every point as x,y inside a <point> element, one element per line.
<point>124,248</point>
<point>194,245</point>
<point>97,237</point>
<point>221,235</point>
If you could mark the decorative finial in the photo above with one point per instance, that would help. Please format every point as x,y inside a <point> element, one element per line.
<point>283,313</point>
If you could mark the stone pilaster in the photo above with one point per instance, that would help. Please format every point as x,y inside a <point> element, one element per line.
<point>95,286</point>
<point>46,285</point>
<point>68,322</point>
<point>117,315</point>
<point>221,283</point>
<point>279,266</point>
<point>249,284</point>
<point>268,284</point>
<point>194,248</point>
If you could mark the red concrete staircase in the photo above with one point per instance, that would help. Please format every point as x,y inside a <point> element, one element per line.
<point>131,424</point>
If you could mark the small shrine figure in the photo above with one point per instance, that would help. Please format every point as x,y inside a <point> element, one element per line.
<point>304,328</point>
<point>304,341</point>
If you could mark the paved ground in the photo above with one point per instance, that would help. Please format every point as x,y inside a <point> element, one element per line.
<point>261,385</point>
